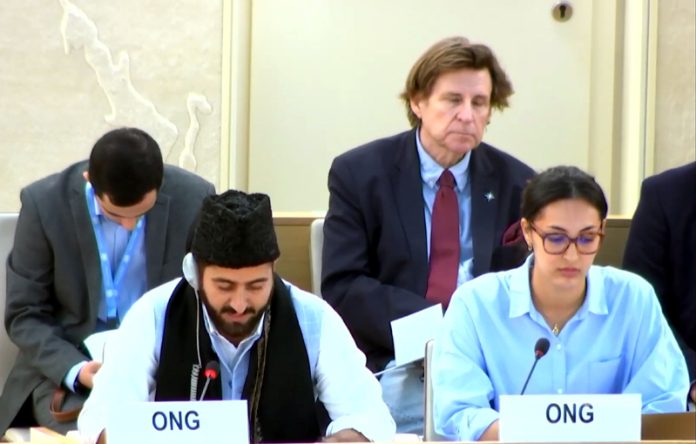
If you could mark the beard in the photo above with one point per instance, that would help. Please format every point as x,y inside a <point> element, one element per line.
<point>234,331</point>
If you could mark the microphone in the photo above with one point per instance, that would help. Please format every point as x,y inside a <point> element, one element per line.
<point>212,371</point>
<point>540,349</point>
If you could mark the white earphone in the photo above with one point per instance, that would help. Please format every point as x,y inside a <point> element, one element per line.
<point>190,269</point>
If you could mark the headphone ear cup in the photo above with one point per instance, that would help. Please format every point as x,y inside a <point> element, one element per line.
<point>190,269</point>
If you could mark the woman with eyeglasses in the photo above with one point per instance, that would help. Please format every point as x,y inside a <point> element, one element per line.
<point>605,326</point>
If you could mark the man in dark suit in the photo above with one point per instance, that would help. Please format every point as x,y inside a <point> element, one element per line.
<point>392,231</point>
<point>89,241</point>
<point>661,247</point>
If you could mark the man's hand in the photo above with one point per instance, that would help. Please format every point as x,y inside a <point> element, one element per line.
<point>346,435</point>
<point>693,392</point>
<point>87,372</point>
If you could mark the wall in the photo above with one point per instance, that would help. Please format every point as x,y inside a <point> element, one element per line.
<point>71,70</point>
<point>675,97</point>
<point>326,76</point>
<point>276,120</point>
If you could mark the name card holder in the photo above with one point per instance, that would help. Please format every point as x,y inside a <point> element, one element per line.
<point>178,422</point>
<point>570,418</point>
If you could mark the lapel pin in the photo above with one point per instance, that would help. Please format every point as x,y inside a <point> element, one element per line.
<point>489,196</point>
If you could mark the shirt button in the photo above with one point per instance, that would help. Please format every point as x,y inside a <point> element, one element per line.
<point>560,391</point>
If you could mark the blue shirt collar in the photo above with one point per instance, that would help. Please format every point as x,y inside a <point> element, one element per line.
<point>97,207</point>
<point>596,300</point>
<point>521,293</point>
<point>431,170</point>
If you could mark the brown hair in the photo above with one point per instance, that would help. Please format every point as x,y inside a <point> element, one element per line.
<point>452,54</point>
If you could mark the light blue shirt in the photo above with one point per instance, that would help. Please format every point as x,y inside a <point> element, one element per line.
<point>134,283</point>
<point>617,342</point>
<point>430,172</point>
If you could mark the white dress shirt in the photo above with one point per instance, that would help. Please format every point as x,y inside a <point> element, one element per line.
<point>351,394</point>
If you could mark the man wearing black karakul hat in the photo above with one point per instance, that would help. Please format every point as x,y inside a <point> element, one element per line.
<point>280,348</point>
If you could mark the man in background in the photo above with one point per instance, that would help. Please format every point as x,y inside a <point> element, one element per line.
<point>89,241</point>
<point>414,215</point>
<point>661,247</point>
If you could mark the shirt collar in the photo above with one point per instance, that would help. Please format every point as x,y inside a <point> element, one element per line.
<point>596,300</point>
<point>521,292</point>
<point>431,170</point>
<point>100,214</point>
<point>97,207</point>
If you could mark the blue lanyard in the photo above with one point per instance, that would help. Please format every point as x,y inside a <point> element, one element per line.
<point>111,284</point>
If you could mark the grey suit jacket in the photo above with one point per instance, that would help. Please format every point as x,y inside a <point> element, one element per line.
<point>54,277</point>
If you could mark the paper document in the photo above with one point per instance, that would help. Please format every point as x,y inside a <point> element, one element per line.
<point>413,331</point>
<point>96,342</point>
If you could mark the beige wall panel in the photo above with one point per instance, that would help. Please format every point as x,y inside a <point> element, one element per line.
<point>147,58</point>
<point>326,75</point>
<point>675,98</point>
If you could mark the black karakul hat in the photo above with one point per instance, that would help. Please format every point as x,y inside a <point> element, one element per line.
<point>235,230</point>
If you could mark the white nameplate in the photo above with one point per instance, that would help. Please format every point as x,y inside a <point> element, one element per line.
<point>178,422</point>
<point>563,418</point>
<point>411,332</point>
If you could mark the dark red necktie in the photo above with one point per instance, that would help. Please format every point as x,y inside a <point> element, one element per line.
<point>444,242</point>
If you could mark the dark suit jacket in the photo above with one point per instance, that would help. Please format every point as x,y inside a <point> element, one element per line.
<point>54,276</point>
<point>661,247</point>
<point>375,262</point>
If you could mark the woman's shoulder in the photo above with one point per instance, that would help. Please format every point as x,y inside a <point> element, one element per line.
<point>619,285</point>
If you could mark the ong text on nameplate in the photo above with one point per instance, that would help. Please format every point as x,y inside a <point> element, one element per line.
<point>178,422</point>
<point>563,418</point>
